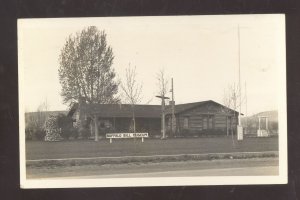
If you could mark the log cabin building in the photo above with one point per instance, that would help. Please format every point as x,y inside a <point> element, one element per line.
<point>206,117</point>
<point>191,119</point>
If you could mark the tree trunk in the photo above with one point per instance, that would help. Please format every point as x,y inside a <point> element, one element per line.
<point>163,119</point>
<point>96,129</point>
<point>133,118</point>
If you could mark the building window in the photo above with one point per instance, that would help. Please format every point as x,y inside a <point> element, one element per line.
<point>186,123</point>
<point>229,122</point>
<point>208,122</point>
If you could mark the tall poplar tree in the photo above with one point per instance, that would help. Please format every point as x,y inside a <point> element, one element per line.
<point>85,68</point>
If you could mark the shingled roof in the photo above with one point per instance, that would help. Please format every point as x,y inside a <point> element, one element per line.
<point>122,110</point>
<point>183,107</point>
<point>125,110</point>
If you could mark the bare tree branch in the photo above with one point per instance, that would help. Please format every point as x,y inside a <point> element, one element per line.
<point>231,103</point>
<point>132,91</point>
<point>162,83</point>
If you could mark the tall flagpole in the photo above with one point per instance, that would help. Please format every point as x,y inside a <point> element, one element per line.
<point>239,127</point>
<point>246,108</point>
<point>240,91</point>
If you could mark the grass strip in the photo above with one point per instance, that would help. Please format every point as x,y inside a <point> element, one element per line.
<point>147,159</point>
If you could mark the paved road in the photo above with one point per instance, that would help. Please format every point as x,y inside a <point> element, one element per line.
<point>229,167</point>
<point>249,171</point>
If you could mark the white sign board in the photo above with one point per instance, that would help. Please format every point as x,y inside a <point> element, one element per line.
<point>239,132</point>
<point>126,135</point>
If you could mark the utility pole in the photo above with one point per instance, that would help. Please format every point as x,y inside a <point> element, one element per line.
<point>173,110</point>
<point>163,115</point>
<point>240,93</point>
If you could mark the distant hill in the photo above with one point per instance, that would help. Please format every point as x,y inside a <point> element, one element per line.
<point>272,115</point>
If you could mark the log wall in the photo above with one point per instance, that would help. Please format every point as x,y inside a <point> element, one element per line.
<point>206,117</point>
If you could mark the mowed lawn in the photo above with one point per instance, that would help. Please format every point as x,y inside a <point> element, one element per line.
<point>130,147</point>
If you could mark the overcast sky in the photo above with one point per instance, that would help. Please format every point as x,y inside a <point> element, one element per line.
<point>199,52</point>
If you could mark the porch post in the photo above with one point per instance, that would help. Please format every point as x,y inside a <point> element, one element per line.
<point>91,127</point>
<point>114,123</point>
